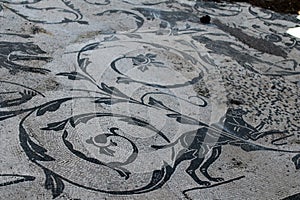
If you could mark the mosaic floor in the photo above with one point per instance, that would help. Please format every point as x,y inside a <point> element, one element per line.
<point>106,99</point>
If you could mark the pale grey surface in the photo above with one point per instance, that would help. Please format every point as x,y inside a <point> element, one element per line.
<point>167,65</point>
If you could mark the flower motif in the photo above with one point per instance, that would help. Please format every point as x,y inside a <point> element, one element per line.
<point>101,141</point>
<point>143,61</point>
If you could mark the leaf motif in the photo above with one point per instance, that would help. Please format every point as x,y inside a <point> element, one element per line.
<point>109,101</point>
<point>25,97</point>
<point>135,121</point>
<point>157,176</point>
<point>73,75</point>
<point>56,126</point>
<point>157,103</point>
<point>90,47</point>
<point>249,147</point>
<point>143,68</point>
<point>139,21</point>
<point>81,119</point>
<point>51,106</point>
<point>54,183</point>
<point>150,55</point>
<point>83,63</point>
<point>84,118</point>
<point>8,114</point>
<point>15,178</point>
<point>32,150</point>
<point>159,64</point>
<point>113,91</point>
<point>124,80</point>
<point>157,147</point>
<point>186,120</point>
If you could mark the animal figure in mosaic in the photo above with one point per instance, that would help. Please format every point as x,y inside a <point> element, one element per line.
<point>209,141</point>
<point>203,147</point>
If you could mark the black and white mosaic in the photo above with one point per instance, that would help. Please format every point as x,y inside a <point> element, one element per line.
<point>155,99</point>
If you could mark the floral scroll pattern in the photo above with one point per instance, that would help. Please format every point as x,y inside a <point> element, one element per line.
<point>153,94</point>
